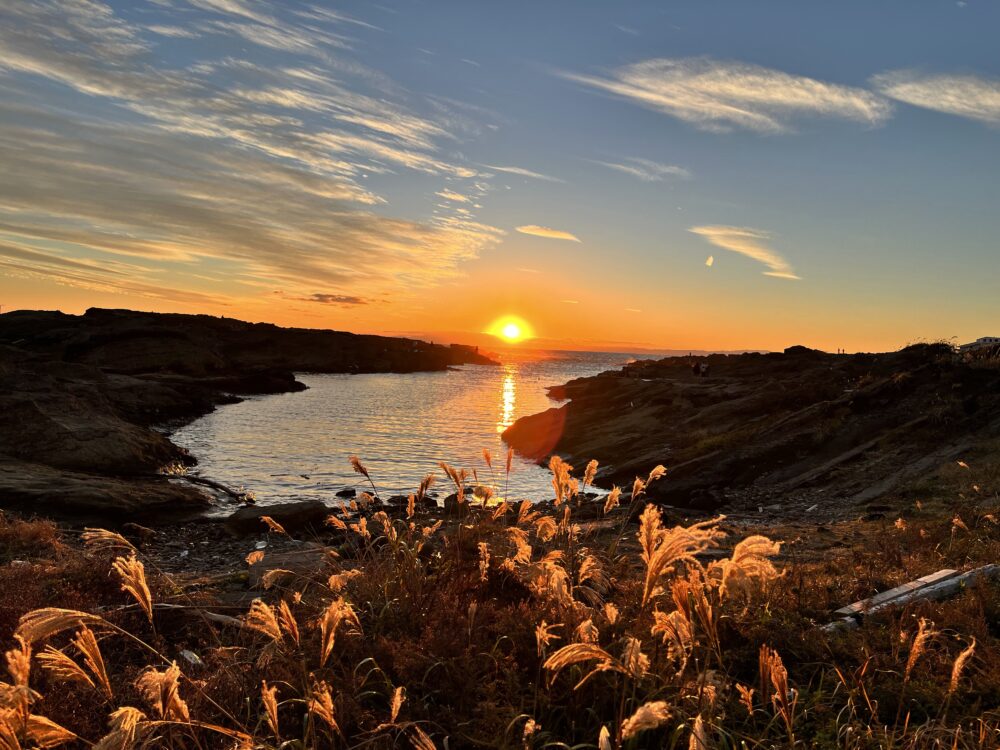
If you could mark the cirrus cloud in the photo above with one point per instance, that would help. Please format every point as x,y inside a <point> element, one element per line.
<point>749,242</point>
<point>451,195</point>
<point>138,169</point>
<point>343,300</point>
<point>720,96</point>
<point>522,172</point>
<point>547,232</point>
<point>967,96</point>
<point>646,169</point>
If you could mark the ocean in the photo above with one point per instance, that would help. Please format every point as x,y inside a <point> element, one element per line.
<point>294,446</point>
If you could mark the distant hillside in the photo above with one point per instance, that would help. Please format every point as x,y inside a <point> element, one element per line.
<point>137,342</point>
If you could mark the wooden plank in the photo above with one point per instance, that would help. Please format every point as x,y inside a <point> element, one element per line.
<point>944,588</point>
<point>947,585</point>
<point>887,596</point>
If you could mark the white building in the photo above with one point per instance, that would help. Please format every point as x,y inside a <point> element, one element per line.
<point>980,343</point>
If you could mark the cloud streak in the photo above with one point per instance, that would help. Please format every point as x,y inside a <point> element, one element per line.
<point>966,96</point>
<point>721,96</point>
<point>547,232</point>
<point>451,195</point>
<point>647,170</point>
<point>343,300</point>
<point>522,172</point>
<point>752,243</point>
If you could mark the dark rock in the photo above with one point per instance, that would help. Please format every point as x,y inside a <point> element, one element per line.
<point>347,492</point>
<point>588,511</point>
<point>139,533</point>
<point>306,561</point>
<point>798,351</point>
<point>45,490</point>
<point>769,426</point>
<point>293,517</point>
<point>453,508</point>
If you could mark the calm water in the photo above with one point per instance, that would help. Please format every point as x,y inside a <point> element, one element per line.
<point>296,445</point>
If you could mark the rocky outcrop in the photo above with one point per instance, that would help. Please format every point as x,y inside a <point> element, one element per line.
<point>94,498</point>
<point>293,517</point>
<point>799,428</point>
<point>81,397</point>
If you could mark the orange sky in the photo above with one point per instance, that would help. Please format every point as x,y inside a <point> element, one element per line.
<point>570,309</point>
<point>424,169</point>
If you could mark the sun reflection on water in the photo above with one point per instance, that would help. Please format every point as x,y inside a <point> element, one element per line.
<point>508,396</point>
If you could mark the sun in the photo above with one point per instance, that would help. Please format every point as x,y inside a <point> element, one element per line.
<point>511,332</point>
<point>510,329</point>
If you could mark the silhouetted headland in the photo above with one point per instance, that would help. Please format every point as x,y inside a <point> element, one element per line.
<point>794,431</point>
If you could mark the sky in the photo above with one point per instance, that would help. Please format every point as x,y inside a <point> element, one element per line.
<point>620,175</point>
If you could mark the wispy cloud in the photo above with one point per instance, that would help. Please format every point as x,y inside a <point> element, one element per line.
<point>753,243</point>
<point>647,170</point>
<point>223,174</point>
<point>451,195</point>
<point>522,172</point>
<point>343,300</point>
<point>21,260</point>
<point>548,233</point>
<point>719,96</point>
<point>968,96</point>
<point>178,32</point>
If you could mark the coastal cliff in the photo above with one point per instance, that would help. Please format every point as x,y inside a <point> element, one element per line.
<point>80,397</point>
<point>803,429</point>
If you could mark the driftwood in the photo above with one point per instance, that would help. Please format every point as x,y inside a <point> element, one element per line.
<point>195,610</point>
<point>235,494</point>
<point>939,585</point>
<point>198,612</point>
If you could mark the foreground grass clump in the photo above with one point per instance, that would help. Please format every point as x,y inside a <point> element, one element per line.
<point>510,626</point>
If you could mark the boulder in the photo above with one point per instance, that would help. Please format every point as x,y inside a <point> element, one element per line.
<point>36,488</point>
<point>306,561</point>
<point>294,516</point>
<point>451,506</point>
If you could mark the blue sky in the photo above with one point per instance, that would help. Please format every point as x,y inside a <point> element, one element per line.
<point>426,167</point>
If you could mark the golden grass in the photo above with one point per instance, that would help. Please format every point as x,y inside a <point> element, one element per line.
<point>518,626</point>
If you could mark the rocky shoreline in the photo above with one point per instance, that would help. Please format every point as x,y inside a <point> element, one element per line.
<point>82,398</point>
<point>800,432</point>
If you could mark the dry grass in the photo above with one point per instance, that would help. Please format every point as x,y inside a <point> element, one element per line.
<point>514,628</point>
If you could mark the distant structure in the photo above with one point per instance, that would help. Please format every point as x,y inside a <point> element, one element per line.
<point>980,343</point>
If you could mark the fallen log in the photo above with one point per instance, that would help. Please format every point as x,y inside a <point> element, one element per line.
<point>239,495</point>
<point>939,585</point>
<point>192,608</point>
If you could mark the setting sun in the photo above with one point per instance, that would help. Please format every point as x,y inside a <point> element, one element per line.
<point>511,329</point>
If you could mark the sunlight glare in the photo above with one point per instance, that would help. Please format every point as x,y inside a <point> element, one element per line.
<point>511,329</point>
<point>508,397</point>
